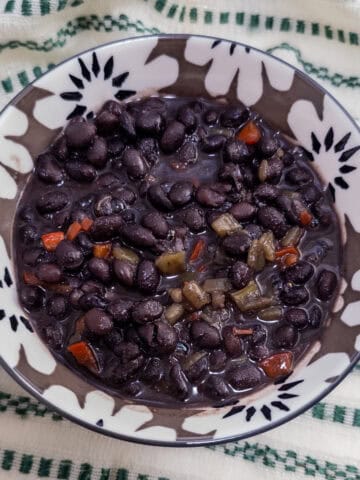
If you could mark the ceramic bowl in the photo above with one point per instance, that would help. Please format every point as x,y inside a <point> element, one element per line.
<point>200,67</point>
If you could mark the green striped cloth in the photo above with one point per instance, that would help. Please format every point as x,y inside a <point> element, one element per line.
<point>321,37</point>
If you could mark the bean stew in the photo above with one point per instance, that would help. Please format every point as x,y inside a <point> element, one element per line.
<point>176,250</point>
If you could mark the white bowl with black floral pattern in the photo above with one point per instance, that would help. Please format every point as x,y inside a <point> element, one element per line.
<point>195,66</point>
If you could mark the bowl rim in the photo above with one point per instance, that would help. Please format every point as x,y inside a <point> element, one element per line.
<point>27,384</point>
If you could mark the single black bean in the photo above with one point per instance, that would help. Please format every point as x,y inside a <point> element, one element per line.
<point>153,371</point>
<point>51,202</point>
<point>27,213</point>
<point>155,104</point>
<point>198,370</point>
<point>69,255</point>
<point>208,196</point>
<point>28,234</point>
<point>267,145</point>
<point>243,376</point>
<point>285,336</point>
<point>258,352</point>
<point>315,317</point>
<point>165,337</point>
<point>240,274</point>
<point>147,311</point>
<point>299,273</point>
<point>139,236</point>
<point>273,219</point>
<point>297,317</point>
<point>205,335</point>
<point>236,151</point>
<point>149,149</point>
<point>48,272</point>
<point>310,194</point>
<point>258,335</point>
<point>75,296</point>
<point>106,122</point>
<point>125,195</point>
<point>127,124</point>
<point>243,211</point>
<point>84,243</point>
<point>60,149</point>
<point>188,153</point>
<point>210,117</point>
<point>286,205</point>
<point>91,300</point>
<point>216,387</point>
<point>127,351</point>
<point>81,172</point>
<point>156,222</point>
<point>232,173</point>
<point>273,170</point>
<point>98,321</point>
<point>217,360</point>
<point>299,176</point>
<point>324,213</point>
<point>54,336</point>
<point>86,201</point>
<point>194,218</point>
<point>150,122</point>
<point>234,116</point>
<point>237,244</point>
<point>92,286</point>
<point>103,205</point>
<point>134,163</point>
<point>173,137</point>
<point>31,256</point>
<point>115,147</point>
<point>120,310</point>
<point>326,284</point>
<point>147,277</point>
<point>179,382</point>
<point>266,192</point>
<point>233,343</point>
<point>125,272</point>
<point>47,168</point>
<point>213,143</point>
<point>107,227</point>
<point>159,198</point>
<point>124,372</point>
<point>146,333</point>
<point>294,295</point>
<point>100,268</point>
<point>57,306</point>
<point>114,339</point>
<point>253,230</point>
<point>79,134</point>
<point>188,118</point>
<point>32,297</point>
<point>97,153</point>
<point>181,193</point>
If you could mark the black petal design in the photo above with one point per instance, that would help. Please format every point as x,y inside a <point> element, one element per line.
<point>120,79</point>
<point>1,284</point>
<point>332,191</point>
<point>286,396</point>
<point>250,412</point>
<point>215,43</point>
<point>7,277</point>
<point>13,323</point>
<point>247,49</point>
<point>100,423</point>
<point>234,411</point>
<point>316,145</point>
<point>347,169</point>
<point>309,155</point>
<point>341,143</point>
<point>280,406</point>
<point>2,314</point>
<point>289,386</point>
<point>71,96</point>
<point>76,81</point>
<point>348,153</point>
<point>341,183</point>
<point>84,70</point>
<point>124,94</point>
<point>95,67</point>
<point>78,111</point>
<point>329,139</point>
<point>232,48</point>
<point>265,410</point>
<point>26,323</point>
<point>89,115</point>
<point>108,68</point>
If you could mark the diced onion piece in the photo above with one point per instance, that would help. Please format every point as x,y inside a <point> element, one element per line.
<point>225,224</point>
<point>195,294</point>
<point>256,257</point>
<point>217,284</point>
<point>176,295</point>
<point>292,237</point>
<point>171,263</point>
<point>122,253</point>
<point>245,295</point>
<point>174,312</point>
<point>267,241</point>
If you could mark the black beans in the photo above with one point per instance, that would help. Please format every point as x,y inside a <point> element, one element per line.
<point>28,234</point>
<point>120,310</point>
<point>115,147</point>
<point>127,125</point>
<point>234,116</point>
<point>310,194</point>
<point>150,122</point>
<point>147,277</point>
<point>159,198</point>
<point>165,337</point>
<point>48,169</point>
<point>57,306</point>
<point>253,230</point>
<point>79,134</point>
<point>240,274</point>
<point>299,176</point>
<point>173,137</point>
<point>48,272</point>
<point>147,311</point>
<point>134,163</point>
<point>299,273</point>
<point>231,172</point>
<point>106,122</point>
<point>326,284</point>
<point>198,370</point>
<point>210,117</point>
<point>153,371</point>
<point>268,145</point>
<point>81,172</point>
<point>125,272</point>
<point>149,149</point>
<point>187,154</point>
<point>90,300</point>
<point>181,193</point>
<point>297,317</point>
<point>243,211</point>
<point>266,192</point>
<point>139,236</point>
<point>243,376</point>
<point>155,222</point>
<point>188,118</point>
<point>208,196</point>
<point>31,297</point>
<point>271,218</point>
<point>105,228</point>
<point>236,151</point>
<point>98,321</point>
<point>84,243</point>
<point>294,295</point>
<point>51,202</point>
<point>100,268</point>
<point>237,244</point>
<point>97,153</point>
<point>258,335</point>
<point>205,335</point>
<point>217,360</point>
<point>233,344</point>
<point>194,218</point>
<point>216,388</point>
<point>178,381</point>
<point>285,336</point>
<point>213,143</point>
<point>315,317</point>
<point>68,255</point>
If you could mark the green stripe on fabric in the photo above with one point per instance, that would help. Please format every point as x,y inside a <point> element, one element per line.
<point>26,463</point>
<point>239,18</point>
<point>285,25</point>
<point>9,6</point>
<point>44,7</point>
<point>105,474</point>
<point>193,15</point>
<point>208,17</point>
<point>44,467</point>
<point>85,471</point>
<point>122,474</point>
<point>26,7</point>
<point>269,23</point>
<point>7,459</point>
<point>64,470</point>
<point>62,4</point>
<point>160,5</point>
<point>224,17</point>
<point>172,11</point>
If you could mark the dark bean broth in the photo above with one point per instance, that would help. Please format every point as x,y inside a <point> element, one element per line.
<point>211,353</point>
